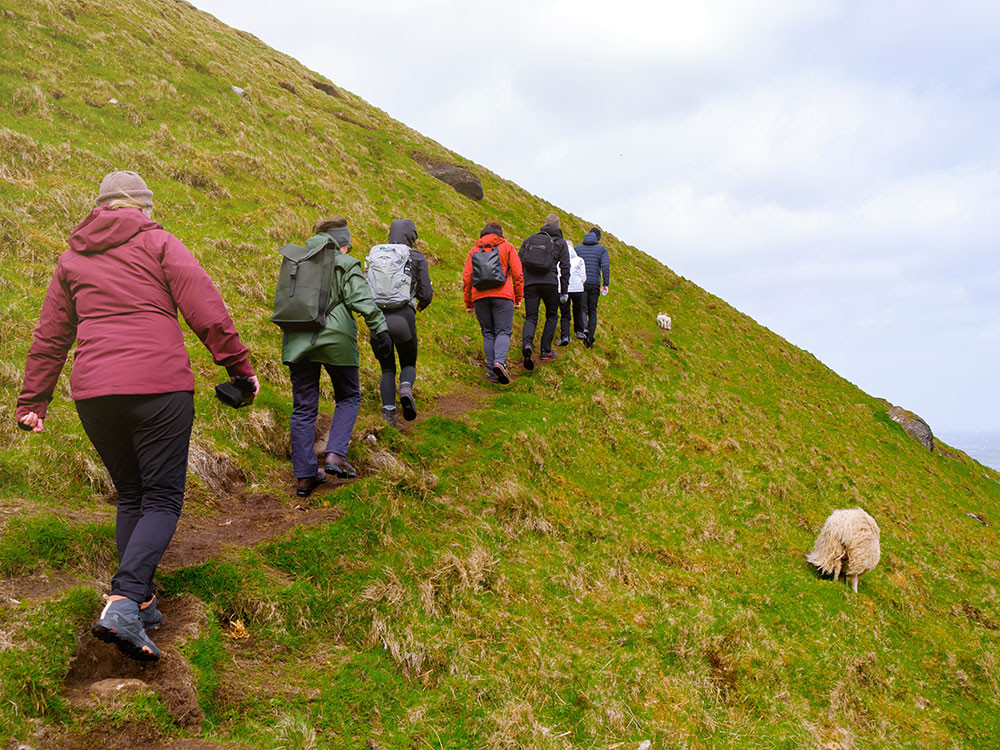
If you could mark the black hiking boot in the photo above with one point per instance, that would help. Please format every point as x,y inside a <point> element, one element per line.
<point>337,466</point>
<point>389,415</point>
<point>407,402</point>
<point>120,624</point>
<point>529,363</point>
<point>564,341</point>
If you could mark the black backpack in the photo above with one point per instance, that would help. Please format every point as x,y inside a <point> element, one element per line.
<point>487,269</point>
<point>538,254</point>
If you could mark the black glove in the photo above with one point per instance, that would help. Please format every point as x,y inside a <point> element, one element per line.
<point>563,299</point>
<point>382,345</point>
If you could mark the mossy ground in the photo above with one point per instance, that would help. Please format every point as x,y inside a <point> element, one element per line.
<point>609,550</point>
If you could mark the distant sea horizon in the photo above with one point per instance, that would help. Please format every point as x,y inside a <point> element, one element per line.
<point>982,445</point>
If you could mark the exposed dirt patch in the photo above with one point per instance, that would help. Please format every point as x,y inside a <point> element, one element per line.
<point>454,404</point>
<point>34,588</point>
<point>244,521</point>
<point>184,617</point>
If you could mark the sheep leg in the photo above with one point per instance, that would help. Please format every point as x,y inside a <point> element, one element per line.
<point>836,571</point>
<point>854,583</point>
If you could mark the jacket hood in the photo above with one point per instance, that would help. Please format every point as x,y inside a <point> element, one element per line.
<point>552,231</point>
<point>490,239</point>
<point>590,238</point>
<point>402,232</point>
<point>105,228</point>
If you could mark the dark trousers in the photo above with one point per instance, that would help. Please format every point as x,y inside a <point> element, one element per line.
<point>591,296</point>
<point>305,407</point>
<point>496,321</point>
<point>143,441</point>
<point>403,331</point>
<point>575,305</point>
<point>533,295</point>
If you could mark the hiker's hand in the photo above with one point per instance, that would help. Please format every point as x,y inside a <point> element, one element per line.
<point>382,345</point>
<point>256,384</point>
<point>517,304</point>
<point>470,310</point>
<point>31,421</point>
<point>604,290</point>
<point>563,299</point>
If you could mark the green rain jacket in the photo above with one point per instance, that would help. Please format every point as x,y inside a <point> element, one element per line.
<point>337,343</point>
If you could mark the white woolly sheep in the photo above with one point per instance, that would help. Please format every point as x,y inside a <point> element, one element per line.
<point>849,541</point>
<point>663,321</point>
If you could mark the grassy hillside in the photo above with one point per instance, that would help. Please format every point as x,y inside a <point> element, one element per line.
<point>608,551</point>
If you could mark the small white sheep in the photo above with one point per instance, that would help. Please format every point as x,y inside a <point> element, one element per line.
<point>663,321</point>
<point>849,540</point>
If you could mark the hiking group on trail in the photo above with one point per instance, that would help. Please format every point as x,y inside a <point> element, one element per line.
<point>116,293</point>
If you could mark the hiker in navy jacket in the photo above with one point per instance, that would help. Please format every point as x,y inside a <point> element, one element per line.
<point>550,286</point>
<point>598,264</point>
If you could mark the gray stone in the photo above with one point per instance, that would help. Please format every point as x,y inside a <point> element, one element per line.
<point>460,178</point>
<point>240,92</point>
<point>913,425</point>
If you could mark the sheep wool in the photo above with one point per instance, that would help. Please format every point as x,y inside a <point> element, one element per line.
<point>848,542</point>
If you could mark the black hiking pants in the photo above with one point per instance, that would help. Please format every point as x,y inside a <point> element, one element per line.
<point>143,441</point>
<point>572,305</point>
<point>591,296</point>
<point>534,294</point>
<point>403,331</point>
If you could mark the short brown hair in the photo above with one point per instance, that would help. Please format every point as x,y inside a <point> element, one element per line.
<point>334,222</point>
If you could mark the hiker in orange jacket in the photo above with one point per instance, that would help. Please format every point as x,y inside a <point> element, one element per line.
<point>493,284</point>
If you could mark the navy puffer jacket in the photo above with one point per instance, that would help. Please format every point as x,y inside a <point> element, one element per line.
<point>596,258</point>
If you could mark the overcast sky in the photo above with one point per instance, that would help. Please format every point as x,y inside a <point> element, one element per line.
<point>831,168</point>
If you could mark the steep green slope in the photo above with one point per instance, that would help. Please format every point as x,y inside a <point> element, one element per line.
<point>609,550</point>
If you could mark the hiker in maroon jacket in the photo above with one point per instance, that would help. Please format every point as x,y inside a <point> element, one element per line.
<point>116,293</point>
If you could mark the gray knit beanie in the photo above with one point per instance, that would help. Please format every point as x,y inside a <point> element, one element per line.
<point>125,184</point>
<point>336,227</point>
<point>552,221</point>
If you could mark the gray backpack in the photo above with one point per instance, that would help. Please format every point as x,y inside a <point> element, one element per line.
<point>389,275</point>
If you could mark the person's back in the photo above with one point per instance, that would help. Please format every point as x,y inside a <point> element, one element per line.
<point>545,259</point>
<point>402,322</point>
<point>127,277</point>
<point>334,348</point>
<point>572,305</point>
<point>116,294</point>
<point>494,303</point>
<point>598,265</point>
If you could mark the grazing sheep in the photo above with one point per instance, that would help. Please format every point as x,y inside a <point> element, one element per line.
<point>849,540</point>
<point>663,321</point>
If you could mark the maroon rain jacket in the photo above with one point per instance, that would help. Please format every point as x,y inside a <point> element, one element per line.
<point>116,292</point>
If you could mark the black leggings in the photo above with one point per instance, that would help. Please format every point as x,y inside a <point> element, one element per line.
<point>403,330</point>
<point>143,441</point>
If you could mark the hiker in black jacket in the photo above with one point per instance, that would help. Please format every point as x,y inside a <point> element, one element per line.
<point>541,254</point>
<point>598,263</point>
<point>402,323</point>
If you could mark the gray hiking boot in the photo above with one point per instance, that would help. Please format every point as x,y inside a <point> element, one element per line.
<point>389,415</point>
<point>406,399</point>
<point>150,617</point>
<point>119,624</point>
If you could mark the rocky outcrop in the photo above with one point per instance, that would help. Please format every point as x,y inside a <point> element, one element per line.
<point>913,425</point>
<point>460,178</point>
